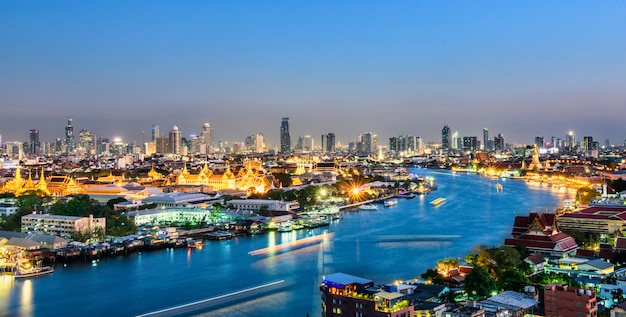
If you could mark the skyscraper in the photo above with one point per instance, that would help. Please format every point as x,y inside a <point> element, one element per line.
<point>285,137</point>
<point>498,142</point>
<point>368,142</point>
<point>570,140</point>
<point>445,138</point>
<point>486,139</point>
<point>69,136</point>
<point>469,143</point>
<point>539,141</point>
<point>205,139</point>
<point>34,145</point>
<point>176,139</point>
<point>155,133</point>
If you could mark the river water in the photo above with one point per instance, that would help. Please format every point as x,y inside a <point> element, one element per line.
<point>224,279</point>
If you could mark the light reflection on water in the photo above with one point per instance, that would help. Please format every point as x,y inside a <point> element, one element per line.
<point>139,283</point>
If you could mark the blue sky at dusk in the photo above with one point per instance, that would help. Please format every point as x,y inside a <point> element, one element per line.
<point>520,68</point>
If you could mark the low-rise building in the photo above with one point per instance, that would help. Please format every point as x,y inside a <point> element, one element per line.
<point>347,295</point>
<point>255,205</point>
<point>62,226</point>
<point>595,219</point>
<point>564,301</point>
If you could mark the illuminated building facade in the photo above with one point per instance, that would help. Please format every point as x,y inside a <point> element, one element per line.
<point>175,141</point>
<point>62,226</point>
<point>347,295</point>
<point>285,136</point>
<point>69,136</point>
<point>446,138</point>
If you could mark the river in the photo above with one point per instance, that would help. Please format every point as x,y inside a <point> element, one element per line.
<point>224,279</point>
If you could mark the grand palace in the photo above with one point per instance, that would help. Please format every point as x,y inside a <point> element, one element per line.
<point>251,178</point>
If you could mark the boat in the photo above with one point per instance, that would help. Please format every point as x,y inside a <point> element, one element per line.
<point>37,271</point>
<point>191,244</point>
<point>390,202</point>
<point>410,196</point>
<point>285,227</point>
<point>368,207</point>
<point>438,201</point>
<point>219,235</point>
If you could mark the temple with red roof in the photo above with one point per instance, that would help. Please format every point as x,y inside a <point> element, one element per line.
<point>540,234</point>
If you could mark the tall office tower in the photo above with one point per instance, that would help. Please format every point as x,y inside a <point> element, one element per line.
<point>570,140</point>
<point>588,143</point>
<point>457,142</point>
<point>419,143</point>
<point>34,146</point>
<point>155,132</point>
<point>205,139</point>
<point>163,145</point>
<point>470,143</point>
<point>324,143</point>
<point>307,143</point>
<point>69,136</point>
<point>393,144</point>
<point>369,143</point>
<point>259,143</point>
<point>194,144</point>
<point>539,141</point>
<point>330,142</point>
<point>104,146</point>
<point>606,142</point>
<point>410,143</point>
<point>446,138</point>
<point>175,141</point>
<point>298,146</point>
<point>498,142</point>
<point>285,137</point>
<point>553,142</point>
<point>485,145</point>
<point>87,140</point>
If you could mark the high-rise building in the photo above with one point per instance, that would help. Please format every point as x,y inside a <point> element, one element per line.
<point>486,139</point>
<point>285,136</point>
<point>259,143</point>
<point>155,132</point>
<point>570,139</point>
<point>307,143</point>
<point>539,141</point>
<point>34,146</point>
<point>498,142</point>
<point>457,142</point>
<point>175,141</point>
<point>606,143</point>
<point>87,141</point>
<point>589,144</point>
<point>69,136</point>
<point>446,138</point>
<point>368,143</point>
<point>205,139</point>
<point>470,143</point>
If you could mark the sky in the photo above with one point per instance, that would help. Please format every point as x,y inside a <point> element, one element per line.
<point>519,68</point>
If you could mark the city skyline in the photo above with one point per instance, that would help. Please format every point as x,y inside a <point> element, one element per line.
<point>519,69</point>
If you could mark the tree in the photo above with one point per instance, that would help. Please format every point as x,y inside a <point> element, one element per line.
<point>444,266</point>
<point>479,284</point>
<point>586,194</point>
<point>432,276</point>
<point>514,280</point>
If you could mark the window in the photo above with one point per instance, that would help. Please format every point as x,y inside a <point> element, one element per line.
<point>337,310</point>
<point>359,314</point>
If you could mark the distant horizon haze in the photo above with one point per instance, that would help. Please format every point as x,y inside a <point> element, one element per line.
<point>522,69</point>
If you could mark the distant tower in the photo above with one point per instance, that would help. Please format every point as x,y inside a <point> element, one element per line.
<point>498,142</point>
<point>176,138</point>
<point>445,138</point>
<point>205,139</point>
<point>34,145</point>
<point>69,136</point>
<point>285,137</point>
<point>155,133</point>
<point>485,144</point>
